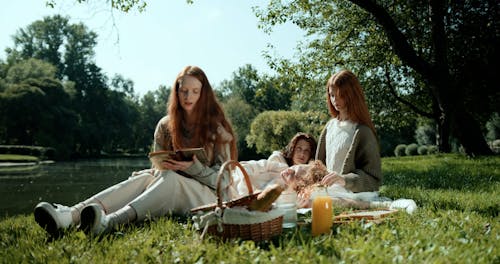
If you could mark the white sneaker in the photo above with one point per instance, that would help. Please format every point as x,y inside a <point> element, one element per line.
<point>409,205</point>
<point>94,220</point>
<point>53,217</point>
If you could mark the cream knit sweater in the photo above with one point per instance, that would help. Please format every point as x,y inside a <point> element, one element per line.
<point>361,168</point>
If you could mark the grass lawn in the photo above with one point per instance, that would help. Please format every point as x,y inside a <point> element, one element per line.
<point>17,158</point>
<point>457,222</point>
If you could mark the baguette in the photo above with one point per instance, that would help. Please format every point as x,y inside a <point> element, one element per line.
<point>265,199</point>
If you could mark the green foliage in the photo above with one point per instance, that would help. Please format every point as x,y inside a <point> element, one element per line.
<point>391,137</point>
<point>30,69</point>
<point>86,117</point>
<point>35,151</point>
<point>246,95</point>
<point>425,135</point>
<point>456,222</point>
<point>263,93</point>
<point>243,84</point>
<point>432,150</point>
<point>241,115</point>
<point>493,127</point>
<point>411,58</point>
<point>272,130</point>
<point>152,107</point>
<point>411,149</point>
<point>495,146</point>
<point>38,112</point>
<point>121,5</point>
<point>400,150</point>
<point>422,150</point>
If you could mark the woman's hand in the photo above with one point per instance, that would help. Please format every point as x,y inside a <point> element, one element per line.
<point>332,178</point>
<point>303,201</point>
<point>170,164</point>
<point>288,175</point>
<point>294,172</point>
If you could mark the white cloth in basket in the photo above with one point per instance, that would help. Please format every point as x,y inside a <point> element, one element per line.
<point>242,216</point>
<point>235,216</point>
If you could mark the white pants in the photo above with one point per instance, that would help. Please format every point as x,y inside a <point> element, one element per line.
<point>156,194</point>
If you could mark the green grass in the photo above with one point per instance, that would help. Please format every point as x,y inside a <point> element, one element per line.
<point>17,158</point>
<point>457,222</point>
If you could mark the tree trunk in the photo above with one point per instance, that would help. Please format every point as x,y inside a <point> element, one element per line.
<point>463,125</point>
<point>443,134</point>
<point>437,73</point>
<point>468,132</point>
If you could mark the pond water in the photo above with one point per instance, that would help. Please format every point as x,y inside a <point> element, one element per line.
<point>62,182</point>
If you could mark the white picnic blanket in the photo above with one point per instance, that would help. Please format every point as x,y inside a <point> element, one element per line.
<point>261,172</point>
<point>376,201</point>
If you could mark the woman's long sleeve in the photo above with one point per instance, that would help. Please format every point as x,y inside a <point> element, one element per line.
<point>362,168</point>
<point>321,149</point>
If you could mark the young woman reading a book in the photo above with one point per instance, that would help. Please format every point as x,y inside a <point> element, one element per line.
<point>194,119</point>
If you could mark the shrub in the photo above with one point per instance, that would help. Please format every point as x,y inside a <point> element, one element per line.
<point>400,150</point>
<point>425,134</point>
<point>433,149</point>
<point>411,150</point>
<point>36,151</point>
<point>422,150</point>
<point>493,127</point>
<point>272,130</point>
<point>495,146</point>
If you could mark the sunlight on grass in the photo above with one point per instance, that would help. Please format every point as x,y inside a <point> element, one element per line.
<point>457,221</point>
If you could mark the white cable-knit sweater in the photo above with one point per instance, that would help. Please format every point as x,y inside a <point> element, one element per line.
<point>361,167</point>
<point>339,139</point>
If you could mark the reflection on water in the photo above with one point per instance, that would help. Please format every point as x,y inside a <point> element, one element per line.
<point>62,182</point>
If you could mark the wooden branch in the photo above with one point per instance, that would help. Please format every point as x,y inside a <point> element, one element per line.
<point>397,39</point>
<point>400,99</point>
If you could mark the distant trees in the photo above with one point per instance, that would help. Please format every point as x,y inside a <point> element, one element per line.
<point>420,64</point>
<point>53,94</point>
<point>38,112</point>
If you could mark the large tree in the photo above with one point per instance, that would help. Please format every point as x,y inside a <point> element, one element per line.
<point>106,117</point>
<point>38,112</point>
<point>436,58</point>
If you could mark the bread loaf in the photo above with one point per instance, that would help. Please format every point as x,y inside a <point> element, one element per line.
<point>265,199</point>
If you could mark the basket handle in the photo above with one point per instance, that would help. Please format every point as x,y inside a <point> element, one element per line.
<point>225,166</point>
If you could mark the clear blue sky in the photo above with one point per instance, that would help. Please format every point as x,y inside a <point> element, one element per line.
<point>151,47</point>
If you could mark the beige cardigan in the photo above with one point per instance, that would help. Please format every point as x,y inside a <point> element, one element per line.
<point>362,166</point>
<point>205,174</point>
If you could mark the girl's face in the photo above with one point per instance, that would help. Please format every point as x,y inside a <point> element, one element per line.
<point>301,152</point>
<point>189,93</point>
<point>336,100</point>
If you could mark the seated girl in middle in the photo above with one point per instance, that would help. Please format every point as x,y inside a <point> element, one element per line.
<point>300,150</point>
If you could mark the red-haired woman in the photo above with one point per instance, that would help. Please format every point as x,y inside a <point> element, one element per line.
<point>348,145</point>
<point>194,119</point>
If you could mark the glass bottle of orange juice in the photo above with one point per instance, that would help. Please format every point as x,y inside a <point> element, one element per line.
<point>322,211</point>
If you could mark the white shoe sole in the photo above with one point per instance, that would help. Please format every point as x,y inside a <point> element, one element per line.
<point>90,221</point>
<point>44,216</point>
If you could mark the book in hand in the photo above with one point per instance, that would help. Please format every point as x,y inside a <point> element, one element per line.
<point>179,155</point>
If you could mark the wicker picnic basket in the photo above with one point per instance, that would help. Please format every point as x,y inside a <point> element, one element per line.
<point>232,220</point>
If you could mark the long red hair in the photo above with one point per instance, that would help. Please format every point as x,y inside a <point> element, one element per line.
<point>208,115</point>
<point>349,89</point>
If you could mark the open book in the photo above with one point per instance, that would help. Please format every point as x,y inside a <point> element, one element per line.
<point>375,215</point>
<point>180,155</point>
